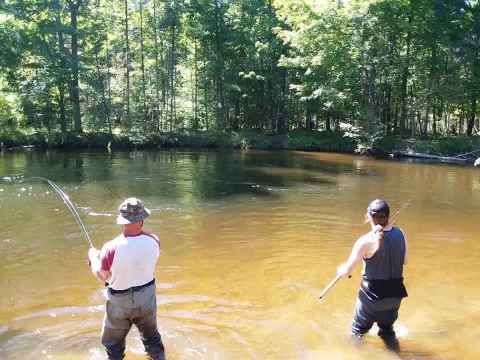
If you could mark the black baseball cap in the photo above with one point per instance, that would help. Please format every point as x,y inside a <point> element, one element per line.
<point>378,206</point>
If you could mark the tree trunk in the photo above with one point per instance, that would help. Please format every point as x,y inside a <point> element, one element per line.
<point>172,74</point>
<point>473,113</point>
<point>127,71</point>
<point>142,67</point>
<point>157,77</point>
<point>74,88</point>
<point>412,114</point>
<point>405,75</point>
<point>109,93</point>
<point>282,116</point>
<point>195,85</point>
<point>328,124</point>
<point>219,68</point>
<point>104,97</point>
<point>61,85</point>
<point>388,112</point>
<point>473,98</point>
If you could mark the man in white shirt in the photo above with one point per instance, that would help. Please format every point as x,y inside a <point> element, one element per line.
<point>126,265</point>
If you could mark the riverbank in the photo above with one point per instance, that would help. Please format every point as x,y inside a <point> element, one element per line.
<point>336,141</point>
<point>296,140</point>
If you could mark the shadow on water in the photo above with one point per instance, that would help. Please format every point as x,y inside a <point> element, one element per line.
<point>206,175</point>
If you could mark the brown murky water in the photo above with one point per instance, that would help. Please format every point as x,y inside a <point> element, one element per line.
<point>249,239</point>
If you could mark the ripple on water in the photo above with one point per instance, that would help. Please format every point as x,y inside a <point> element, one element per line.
<point>3,329</point>
<point>66,330</point>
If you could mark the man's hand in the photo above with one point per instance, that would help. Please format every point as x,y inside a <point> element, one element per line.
<point>95,263</point>
<point>93,255</point>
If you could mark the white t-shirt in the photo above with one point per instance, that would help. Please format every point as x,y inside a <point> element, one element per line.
<point>131,259</point>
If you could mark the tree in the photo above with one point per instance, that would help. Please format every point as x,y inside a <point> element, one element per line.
<point>74,62</point>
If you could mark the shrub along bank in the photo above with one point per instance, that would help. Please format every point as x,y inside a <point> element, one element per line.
<point>298,140</point>
<point>336,141</point>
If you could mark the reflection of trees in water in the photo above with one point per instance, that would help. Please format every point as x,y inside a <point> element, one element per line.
<point>187,175</point>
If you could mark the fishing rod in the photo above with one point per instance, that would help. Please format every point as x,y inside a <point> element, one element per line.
<point>336,278</point>
<point>70,206</point>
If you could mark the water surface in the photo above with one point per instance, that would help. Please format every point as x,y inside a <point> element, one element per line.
<point>249,239</point>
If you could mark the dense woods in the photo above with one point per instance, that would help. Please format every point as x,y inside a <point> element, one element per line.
<point>408,68</point>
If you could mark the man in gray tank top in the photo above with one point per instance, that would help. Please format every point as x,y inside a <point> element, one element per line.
<point>383,252</point>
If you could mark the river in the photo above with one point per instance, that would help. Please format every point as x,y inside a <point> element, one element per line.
<point>249,239</point>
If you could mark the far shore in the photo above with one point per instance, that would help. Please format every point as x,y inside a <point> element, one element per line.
<point>458,148</point>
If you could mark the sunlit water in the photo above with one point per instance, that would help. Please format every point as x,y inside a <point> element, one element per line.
<point>249,239</point>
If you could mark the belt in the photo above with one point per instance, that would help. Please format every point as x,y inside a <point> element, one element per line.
<point>381,289</point>
<point>132,289</point>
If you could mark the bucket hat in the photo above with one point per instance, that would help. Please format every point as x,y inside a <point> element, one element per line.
<point>132,210</point>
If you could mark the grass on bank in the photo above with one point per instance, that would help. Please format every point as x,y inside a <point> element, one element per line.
<point>335,141</point>
<point>296,140</point>
<point>442,146</point>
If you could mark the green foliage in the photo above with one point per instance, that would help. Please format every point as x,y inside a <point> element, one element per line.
<point>7,118</point>
<point>13,138</point>
<point>321,141</point>
<point>444,146</point>
<point>294,140</point>
<point>12,37</point>
<point>385,145</point>
<point>407,68</point>
<point>447,146</point>
<point>121,142</point>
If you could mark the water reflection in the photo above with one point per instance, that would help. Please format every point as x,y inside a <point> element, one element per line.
<point>249,239</point>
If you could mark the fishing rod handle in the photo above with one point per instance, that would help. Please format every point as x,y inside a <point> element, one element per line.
<point>330,285</point>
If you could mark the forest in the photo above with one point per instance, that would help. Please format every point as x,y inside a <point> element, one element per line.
<point>402,68</point>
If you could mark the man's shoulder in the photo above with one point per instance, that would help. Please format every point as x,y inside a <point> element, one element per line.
<point>153,236</point>
<point>112,244</point>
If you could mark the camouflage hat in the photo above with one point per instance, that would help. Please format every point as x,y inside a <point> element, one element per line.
<point>132,210</point>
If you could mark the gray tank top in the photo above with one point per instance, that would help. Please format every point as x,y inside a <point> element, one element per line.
<point>387,262</point>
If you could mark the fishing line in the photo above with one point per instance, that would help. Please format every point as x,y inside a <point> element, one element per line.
<point>70,206</point>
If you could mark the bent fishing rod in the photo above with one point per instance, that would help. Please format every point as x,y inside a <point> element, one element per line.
<point>70,206</point>
<point>336,278</point>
